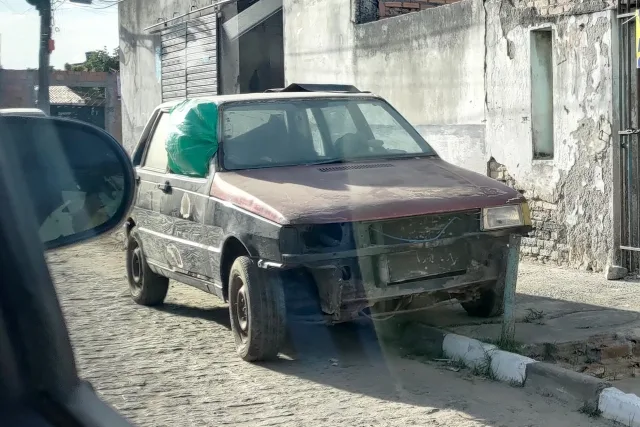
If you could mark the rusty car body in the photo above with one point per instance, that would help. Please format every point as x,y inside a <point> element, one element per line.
<point>382,230</point>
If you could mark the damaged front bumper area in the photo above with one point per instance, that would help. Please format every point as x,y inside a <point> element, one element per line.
<point>355,265</point>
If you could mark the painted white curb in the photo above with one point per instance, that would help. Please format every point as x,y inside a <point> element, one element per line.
<point>472,352</point>
<point>619,406</point>
<point>505,366</point>
<point>510,367</point>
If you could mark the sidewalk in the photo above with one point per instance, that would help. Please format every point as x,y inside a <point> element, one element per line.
<point>575,319</point>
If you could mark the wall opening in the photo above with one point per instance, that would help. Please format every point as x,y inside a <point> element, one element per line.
<point>261,62</point>
<point>542,93</point>
<point>363,11</point>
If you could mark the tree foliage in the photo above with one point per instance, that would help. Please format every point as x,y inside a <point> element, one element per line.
<point>99,60</point>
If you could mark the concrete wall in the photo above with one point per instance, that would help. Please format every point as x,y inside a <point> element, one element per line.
<point>461,73</point>
<point>140,85</point>
<point>429,65</point>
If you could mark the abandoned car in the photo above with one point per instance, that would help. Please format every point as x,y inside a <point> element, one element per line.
<point>254,197</point>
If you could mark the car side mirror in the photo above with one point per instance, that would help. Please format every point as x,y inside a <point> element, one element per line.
<point>79,178</point>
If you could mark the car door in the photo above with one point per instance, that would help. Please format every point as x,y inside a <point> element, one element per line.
<point>152,207</point>
<point>195,246</point>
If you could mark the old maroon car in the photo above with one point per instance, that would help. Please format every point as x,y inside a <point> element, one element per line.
<point>325,192</point>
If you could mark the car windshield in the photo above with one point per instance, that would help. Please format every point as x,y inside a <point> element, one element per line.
<point>311,131</point>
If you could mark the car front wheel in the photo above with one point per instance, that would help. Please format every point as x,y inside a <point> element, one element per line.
<point>257,310</point>
<point>490,302</point>
<point>145,286</point>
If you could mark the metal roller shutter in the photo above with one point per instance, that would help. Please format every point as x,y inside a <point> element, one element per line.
<point>189,59</point>
<point>202,56</point>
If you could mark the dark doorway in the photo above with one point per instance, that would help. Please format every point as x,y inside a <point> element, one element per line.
<point>262,56</point>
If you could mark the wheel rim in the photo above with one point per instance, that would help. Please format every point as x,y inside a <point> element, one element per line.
<point>241,308</point>
<point>136,268</point>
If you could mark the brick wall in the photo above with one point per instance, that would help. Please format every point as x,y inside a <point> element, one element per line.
<point>17,88</point>
<point>548,241</point>
<point>566,7</point>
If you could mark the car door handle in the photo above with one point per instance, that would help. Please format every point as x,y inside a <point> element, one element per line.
<point>165,187</point>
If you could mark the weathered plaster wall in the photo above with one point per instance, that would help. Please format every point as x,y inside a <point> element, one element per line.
<point>318,41</point>
<point>429,65</point>
<point>571,194</point>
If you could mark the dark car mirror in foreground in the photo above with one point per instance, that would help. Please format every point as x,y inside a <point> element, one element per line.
<point>79,178</point>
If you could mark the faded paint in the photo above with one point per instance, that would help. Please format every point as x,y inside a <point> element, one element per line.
<point>394,189</point>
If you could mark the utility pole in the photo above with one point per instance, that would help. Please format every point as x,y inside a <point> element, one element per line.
<point>45,52</point>
<point>44,8</point>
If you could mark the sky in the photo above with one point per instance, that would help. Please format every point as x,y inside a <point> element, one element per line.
<point>76,29</point>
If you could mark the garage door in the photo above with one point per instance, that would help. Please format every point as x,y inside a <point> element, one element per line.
<point>189,59</point>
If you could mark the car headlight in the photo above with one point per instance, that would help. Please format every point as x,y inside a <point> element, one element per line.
<point>505,217</point>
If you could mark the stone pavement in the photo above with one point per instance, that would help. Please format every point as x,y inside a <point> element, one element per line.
<point>574,318</point>
<point>174,365</point>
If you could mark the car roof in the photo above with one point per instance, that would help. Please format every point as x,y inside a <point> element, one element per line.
<point>272,96</point>
<point>21,112</point>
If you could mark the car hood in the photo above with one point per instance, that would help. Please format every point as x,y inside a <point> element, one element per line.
<point>361,191</point>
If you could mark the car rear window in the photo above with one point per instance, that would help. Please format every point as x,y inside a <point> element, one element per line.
<point>306,131</point>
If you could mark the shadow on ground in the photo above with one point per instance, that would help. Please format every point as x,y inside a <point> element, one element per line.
<point>220,315</point>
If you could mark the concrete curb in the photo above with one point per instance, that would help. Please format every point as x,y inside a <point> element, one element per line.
<point>583,392</point>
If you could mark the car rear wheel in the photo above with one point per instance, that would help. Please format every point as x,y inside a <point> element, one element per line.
<point>490,302</point>
<point>257,310</point>
<point>145,286</point>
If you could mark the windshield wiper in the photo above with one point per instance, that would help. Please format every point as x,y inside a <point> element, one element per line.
<point>410,156</point>
<point>372,158</point>
<point>329,162</point>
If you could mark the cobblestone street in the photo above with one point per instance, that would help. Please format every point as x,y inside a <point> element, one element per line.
<point>175,365</point>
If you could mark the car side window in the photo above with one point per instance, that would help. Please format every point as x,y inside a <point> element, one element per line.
<point>156,157</point>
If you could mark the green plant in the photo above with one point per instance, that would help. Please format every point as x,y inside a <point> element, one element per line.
<point>512,346</point>
<point>533,316</point>
<point>590,410</point>
<point>549,351</point>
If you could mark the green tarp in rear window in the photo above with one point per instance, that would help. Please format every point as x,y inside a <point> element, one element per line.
<point>192,139</point>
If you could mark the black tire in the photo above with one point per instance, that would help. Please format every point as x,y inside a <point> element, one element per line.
<point>489,304</point>
<point>257,310</point>
<point>145,286</point>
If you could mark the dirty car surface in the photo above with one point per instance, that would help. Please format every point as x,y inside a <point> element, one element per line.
<point>334,194</point>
